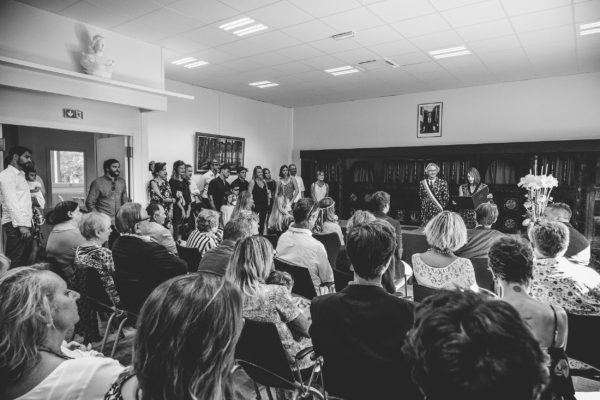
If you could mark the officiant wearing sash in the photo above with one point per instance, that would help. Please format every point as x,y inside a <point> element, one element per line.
<point>433,193</point>
<point>476,189</point>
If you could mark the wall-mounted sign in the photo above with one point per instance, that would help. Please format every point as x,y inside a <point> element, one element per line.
<point>72,113</point>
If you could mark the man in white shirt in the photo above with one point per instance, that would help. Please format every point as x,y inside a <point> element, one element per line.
<point>293,172</point>
<point>297,245</point>
<point>206,178</point>
<point>16,206</point>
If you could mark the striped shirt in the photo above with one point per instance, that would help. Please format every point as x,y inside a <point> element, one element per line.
<point>204,241</point>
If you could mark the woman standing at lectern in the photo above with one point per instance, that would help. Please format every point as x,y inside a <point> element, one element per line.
<point>470,189</point>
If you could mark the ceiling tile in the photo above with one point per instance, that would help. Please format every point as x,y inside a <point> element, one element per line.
<point>300,52</point>
<point>396,47</point>
<point>495,44</point>
<point>437,41</point>
<point>549,37</point>
<point>320,8</point>
<point>213,56</point>
<point>503,58</point>
<point>357,55</point>
<point>242,48</point>
<point>181,44</point>
<point>273,40</point>
<point>353,20</point>
<point>293,68</point>
<point>419,26</point>
<point>91,14</point>
<point>335,46</point>
<point>587,12</point>
<point>280,15</point>
<point>488,30</point>
<point>140,31</point>
<point>414,57</point>
<point>270,58</point>
<point>168,22</point>
<point>380,34</point>
<point>310,31</point>
<point>543,19</point>
<point>247,5</point>
<point>448,4</point>
<point>54,6</point>
<point>130,8</point>
<point>210,36</point>
<point>324,62</point>
<point>517,7</point>
<point>208,11</point>
<point>475,14</point>
<point>394,10</point>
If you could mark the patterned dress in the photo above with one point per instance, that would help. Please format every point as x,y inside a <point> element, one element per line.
<point>469,215</point>
<point>287,189</point>
<point>100,258</point>
<point>573,287</point>
<point>165,192</point>
<point>459,273</point>
<point>274,304</point>
<point>429,208</point>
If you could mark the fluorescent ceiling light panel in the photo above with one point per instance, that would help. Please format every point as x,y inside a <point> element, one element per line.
<point>195,64</point>
<point>448,50</point>
<point>251,29</point>
<point>259,83</point>
<point>236,24</point>
<point>448,55</point>
<point>589,32</point>
<point>183,60</point>
<point>268,85</point>
<point>332,70</point>
<point>263,84</point>
<point>347,71</point>
<point>589,26</point>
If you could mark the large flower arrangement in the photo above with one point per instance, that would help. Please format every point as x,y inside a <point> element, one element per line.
<point>538,189</point>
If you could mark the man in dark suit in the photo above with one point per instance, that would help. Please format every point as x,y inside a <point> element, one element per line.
<point>579,250</point>
<point>481,238</point>
<point>360,331</point>
<point>380,206</point>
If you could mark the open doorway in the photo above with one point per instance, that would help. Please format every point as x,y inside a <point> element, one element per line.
<point>66,161</point>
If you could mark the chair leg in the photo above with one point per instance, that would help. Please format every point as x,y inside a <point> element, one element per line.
<point>269,394</point>
<point>114,349</point>
<point>108,323</point>
<point>257,391</point>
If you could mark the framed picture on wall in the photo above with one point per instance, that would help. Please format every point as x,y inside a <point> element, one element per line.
<point>429,120</point>
<point>225,149</point>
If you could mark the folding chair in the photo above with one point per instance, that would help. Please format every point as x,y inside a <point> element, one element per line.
<point>261,355</point>
<point>483,273</point>
<point>303,284</point>
<point>412,243</point>
<point>191,256</point>
<point>421,292</point>
<point>582,342</point>
<point>332,244</point>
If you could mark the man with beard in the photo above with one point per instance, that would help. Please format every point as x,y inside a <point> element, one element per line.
<point>16,205</point>
<point>299,182</point>
<point>109,192</point>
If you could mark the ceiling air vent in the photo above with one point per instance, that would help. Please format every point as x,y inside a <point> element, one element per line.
<point>343,35</point>
<point>376,64</point>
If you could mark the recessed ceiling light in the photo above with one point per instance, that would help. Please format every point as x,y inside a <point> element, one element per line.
<point>250,29</point>
<point>347,69</point>
<point>343,35</point>
<point>183,60</point>
<point>263,84</point>
<point>195,64</point>
<point>236,24</point>
<point>589,28</point>
<point>450,52</point>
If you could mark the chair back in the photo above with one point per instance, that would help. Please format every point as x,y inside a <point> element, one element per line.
<point>273,239</point>
<point>191,255</point>
<point>421,292</point>
<point>332,244</point>
<point>303,284</point>
<point>260,353</point>
<point>341,279</point>
<point>582,343</point>
<point>483,273</point>
<point>413,243</point>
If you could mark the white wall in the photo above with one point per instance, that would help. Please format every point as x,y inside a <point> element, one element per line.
<point>559,108</point>
<point>267,128</point>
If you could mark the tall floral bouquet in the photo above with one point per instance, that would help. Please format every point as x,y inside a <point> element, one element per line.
<point>538,192</point>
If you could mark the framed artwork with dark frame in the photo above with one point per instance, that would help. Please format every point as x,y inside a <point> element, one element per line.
<point>225,149</point>
<point>429,120</point>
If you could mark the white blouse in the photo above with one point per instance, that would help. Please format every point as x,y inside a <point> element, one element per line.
<point>87,378</point>
<point>459,273</point>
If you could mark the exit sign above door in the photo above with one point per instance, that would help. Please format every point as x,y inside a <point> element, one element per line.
<point>72,113</point>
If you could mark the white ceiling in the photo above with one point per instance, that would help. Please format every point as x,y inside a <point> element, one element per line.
<point>510,40</point>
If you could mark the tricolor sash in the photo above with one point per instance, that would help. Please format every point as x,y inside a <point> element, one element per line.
<point>432,197</point>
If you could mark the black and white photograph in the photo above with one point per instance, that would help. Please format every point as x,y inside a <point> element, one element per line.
<point>429,120</point>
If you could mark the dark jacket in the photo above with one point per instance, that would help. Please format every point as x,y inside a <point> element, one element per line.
<point>360,332</point>
<point>479,242</point>
<point>140,267</point>
<point>397,266</point>
<point>217,259</point>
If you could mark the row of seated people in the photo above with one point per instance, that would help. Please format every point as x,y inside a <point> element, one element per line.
<point>375,345</point>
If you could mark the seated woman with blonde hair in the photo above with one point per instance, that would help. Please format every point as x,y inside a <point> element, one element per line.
<point>37,311</point>
<point>327,220</point>
<point>281,217</point>
<point>438,267</point>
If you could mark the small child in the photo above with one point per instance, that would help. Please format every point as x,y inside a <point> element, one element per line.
<point>285,279</point>
<point>35,188</point>
<point>227,208</point>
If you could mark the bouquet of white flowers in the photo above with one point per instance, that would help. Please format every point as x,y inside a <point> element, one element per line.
<point>538,192</point>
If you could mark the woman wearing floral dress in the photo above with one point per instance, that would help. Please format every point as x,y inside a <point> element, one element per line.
<point>433,194</point>
<point>470,189</point>
<point>287,186</point>
<point>160,191</point>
